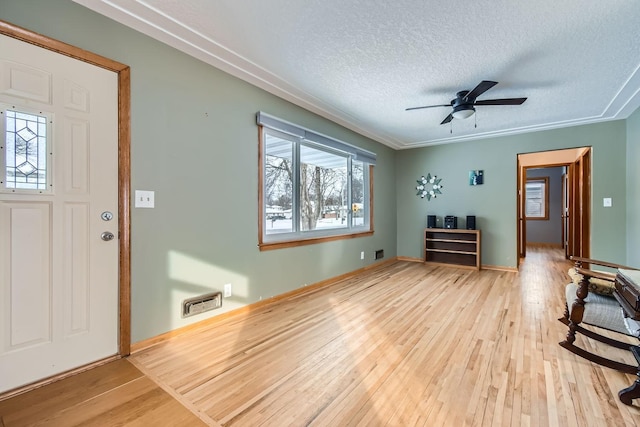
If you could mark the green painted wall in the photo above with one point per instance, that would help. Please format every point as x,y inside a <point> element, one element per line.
<point>494,202</point>
<point>633,189</point>
<point>195,143</point>
<point>548,230</point>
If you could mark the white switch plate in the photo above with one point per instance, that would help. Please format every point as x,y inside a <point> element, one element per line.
<point>362,255</point>
<point>606,202</point>
<point>227,290</point>
<point>144,199</point>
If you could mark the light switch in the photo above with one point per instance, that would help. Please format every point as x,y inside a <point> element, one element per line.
<point>144,199</point>
<point>606,202</point>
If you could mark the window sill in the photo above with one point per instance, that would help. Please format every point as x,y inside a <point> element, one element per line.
<point>302,242</point>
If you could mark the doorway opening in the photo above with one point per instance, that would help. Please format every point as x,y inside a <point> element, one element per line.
<point>561,205</point>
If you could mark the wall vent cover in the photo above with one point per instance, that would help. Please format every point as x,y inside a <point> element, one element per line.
<point>202,303</point>
<point>380,254</point>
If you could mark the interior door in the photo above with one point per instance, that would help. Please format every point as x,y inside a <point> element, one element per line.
<point>521,210</point>
<point>565,211</point>
<point>579,206</point>
<point>58,213</point>
<point>583,217</point>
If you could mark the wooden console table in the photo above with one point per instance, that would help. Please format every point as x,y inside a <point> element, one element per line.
<point>454,247</point>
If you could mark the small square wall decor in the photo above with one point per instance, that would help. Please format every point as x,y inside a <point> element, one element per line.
<point>476,177</point>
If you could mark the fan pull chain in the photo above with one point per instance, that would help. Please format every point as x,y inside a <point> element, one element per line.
<point>475,117</point>
<point>451,127</point>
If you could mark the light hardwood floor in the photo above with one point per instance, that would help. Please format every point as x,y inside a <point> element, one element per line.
<point>403,345</point>
<point>114,394</point>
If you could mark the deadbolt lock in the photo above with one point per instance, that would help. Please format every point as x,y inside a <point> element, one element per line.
<point>106,236</point>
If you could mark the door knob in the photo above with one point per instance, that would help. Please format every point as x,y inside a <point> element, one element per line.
<point>106,236</point>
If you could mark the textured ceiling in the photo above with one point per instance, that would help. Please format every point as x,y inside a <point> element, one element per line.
<point>361,63</point>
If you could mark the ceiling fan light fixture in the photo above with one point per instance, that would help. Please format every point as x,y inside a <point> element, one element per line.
<point>463,112</point>
<point>463,106</point>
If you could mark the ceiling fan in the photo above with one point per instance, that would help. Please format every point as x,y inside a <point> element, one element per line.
<point>465,102</point>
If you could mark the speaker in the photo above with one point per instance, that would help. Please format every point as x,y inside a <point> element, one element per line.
<point>431,221</point>
<point>450,221</point>
<point>471,222</point>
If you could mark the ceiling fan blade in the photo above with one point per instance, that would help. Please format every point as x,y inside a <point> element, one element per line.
<point>482,87</point>
<point>447,119</point>
<point>505,101</point>
<point>428,106</point>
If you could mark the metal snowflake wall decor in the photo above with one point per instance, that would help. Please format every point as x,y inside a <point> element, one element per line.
<point>428,187</point>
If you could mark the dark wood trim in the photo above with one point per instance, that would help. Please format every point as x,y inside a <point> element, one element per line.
<point>585,222</point>
<point>124,161</point>
<point>564,208</point>
<point>571,241</point>
<point>313,241</point>
<point>124,207</point>
<point>62,48</point>
<point>410,259</point>
<point>499,268</point>
<point>520,229</point>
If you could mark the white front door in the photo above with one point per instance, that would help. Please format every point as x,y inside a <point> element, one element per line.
<point>58,195</point>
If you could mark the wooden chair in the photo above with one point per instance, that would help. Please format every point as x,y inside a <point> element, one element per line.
<point>593,299</point>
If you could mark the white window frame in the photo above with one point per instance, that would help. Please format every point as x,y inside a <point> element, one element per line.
<point>300,137</point>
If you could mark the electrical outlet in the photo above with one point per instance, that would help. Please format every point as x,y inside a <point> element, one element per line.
<point>227,290</point>
<point>362,255</point>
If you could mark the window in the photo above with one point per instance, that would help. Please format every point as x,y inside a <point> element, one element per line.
<point>537,198</point>
<point>313,188</point>
<point>24,153</point>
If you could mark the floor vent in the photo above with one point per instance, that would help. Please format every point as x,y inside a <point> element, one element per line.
<point>197,305</point>
<point>380,254</point>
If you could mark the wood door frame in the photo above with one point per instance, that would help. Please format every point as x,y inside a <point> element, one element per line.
<point>124,162</point>
<point>565,210</point>
<point>579,164</point>
<point>583,199</point>
<point>522,225</point>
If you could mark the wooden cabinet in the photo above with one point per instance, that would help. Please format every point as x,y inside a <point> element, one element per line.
<point>452,247</point>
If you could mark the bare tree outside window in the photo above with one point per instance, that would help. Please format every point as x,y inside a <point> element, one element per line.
<point>309,188</point>
<point>278,185</point>
<point>323,176</point>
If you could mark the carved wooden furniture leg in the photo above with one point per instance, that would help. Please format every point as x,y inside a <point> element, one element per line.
<point>626,395</point>
<point>577,312</point>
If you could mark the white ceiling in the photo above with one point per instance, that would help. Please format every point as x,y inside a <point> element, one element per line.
<point>361,63</point>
